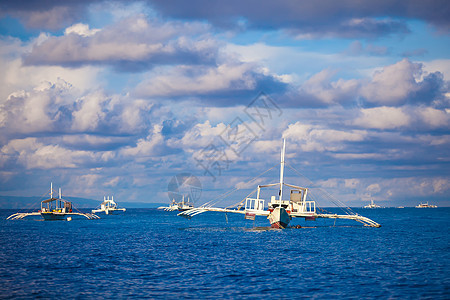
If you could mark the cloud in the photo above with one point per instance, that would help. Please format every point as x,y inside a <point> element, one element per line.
<point>393,84</point>
<point>365,27</point>
<point>147,148</point>
<point>316,138</point>
<point>400,83</point>
<point>320,90</point>
<point>200,136</point>
<point>383,118</point>
<point>52,16</point>
<point>42,109</point>
<point>230,81</point>
<point>32,154</point>
<point>132,44</point>
<point>80,29</point>
<point>435,118</point>
<point>357,48</point>
<point>324,18</point>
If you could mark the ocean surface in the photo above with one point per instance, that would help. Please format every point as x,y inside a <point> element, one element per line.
<point>148,253</point>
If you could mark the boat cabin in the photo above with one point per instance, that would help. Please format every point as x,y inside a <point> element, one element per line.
<point>56,205</point>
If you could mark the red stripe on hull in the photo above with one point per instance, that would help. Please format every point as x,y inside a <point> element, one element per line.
<point>278,225</point>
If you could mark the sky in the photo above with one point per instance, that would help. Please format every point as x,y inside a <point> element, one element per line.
<point>125,98</point>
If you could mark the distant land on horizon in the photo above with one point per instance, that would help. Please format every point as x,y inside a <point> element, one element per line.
<point>15,202</point>
<point>33,203</point>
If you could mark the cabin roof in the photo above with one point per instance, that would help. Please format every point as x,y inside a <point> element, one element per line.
<point>54,199</point>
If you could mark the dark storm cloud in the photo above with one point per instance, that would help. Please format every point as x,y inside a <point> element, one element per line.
<point>313,17</point>
<point>50,15</point>
<point>347,18</point>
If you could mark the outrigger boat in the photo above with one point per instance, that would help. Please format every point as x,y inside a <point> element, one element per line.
<point>108,206</point>
<point>53,209</point>
<point>279,211</point>
<point>372,205</point>
<point>181,206</point>
<point>426,205</point>
<point>173,206</point>
<point>185,205</point>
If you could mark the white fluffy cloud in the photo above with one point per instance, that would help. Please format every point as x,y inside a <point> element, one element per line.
<point>317,138</point>
<point>33,154</point>
<point>394,84</point>
<point>188,81</point>
<point>134,42</point>
<point>147,148</point>
<point>90,112</point>
<point>383,118</point>
<point>37,110</point>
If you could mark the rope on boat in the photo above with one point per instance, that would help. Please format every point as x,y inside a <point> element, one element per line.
<point>226,194</point>
<point>241,202</point>
<point>335,201</point>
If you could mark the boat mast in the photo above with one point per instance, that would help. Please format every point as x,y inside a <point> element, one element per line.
<point>282,169</point>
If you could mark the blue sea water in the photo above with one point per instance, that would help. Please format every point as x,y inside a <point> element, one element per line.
<point>147,253</point>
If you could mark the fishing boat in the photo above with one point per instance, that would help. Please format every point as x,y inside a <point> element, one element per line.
<point>426,205</point>
<point>185,205</point>
<point>372,205</point>
<point>181,206</point>
<point>280,211</point>
<point>173,206</point>
<point>54,209</point>
<point>108,206</point>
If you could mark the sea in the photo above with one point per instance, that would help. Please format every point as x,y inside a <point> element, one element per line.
<point>154,254</point>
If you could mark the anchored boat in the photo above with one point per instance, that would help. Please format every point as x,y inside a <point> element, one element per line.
<point>280,211</point>
<point>426,205</point>
<point>181,206</point>
<point>53,209</point>
<point>372,205</point>
<point>108,206</point>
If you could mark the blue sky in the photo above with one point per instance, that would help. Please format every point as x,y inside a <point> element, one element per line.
<point>117,97</point>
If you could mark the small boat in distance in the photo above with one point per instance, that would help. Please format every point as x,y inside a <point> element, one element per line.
<point>372,205</point>
<point>53,209</point>
<point>426,205</point>
<point>108,206</point>
<point>173,206</point>
<point>181,206</point>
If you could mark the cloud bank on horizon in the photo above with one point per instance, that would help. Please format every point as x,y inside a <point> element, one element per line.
<point>117,97</point>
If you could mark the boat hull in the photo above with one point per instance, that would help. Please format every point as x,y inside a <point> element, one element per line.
<point>279,218</point>
<point>50,216</point>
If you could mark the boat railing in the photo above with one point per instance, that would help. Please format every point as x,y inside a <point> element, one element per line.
<point>252,204</point>
<point>309,206</point>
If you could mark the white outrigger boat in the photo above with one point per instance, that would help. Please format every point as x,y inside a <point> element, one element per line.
<point>173,206</point>
<point>108,206</point>
<point>181,206</point>
<point>426,205</point>
<point>53,209</point>
<point>279,211</point>
<point>372,205</point>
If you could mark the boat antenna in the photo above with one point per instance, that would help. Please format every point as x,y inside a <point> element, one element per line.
<point>282,169</point>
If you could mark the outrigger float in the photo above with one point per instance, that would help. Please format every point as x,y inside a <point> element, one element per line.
<point>53,209</point>
<point>279,211</point>
<point>108,206</point>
